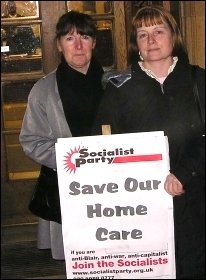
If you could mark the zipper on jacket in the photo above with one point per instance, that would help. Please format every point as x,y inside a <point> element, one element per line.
<point>162,89</point>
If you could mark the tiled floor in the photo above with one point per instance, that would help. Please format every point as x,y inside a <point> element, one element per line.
<point>22,260</point>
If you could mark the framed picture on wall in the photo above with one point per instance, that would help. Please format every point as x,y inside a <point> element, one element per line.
<point>13,10</point>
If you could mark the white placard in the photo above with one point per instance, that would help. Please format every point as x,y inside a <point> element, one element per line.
<point>117,219</point>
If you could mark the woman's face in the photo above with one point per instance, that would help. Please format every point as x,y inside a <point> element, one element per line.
<point>155,42</point>
<point>77,50</point>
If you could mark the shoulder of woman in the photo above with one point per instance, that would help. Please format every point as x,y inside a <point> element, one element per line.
<point>46,82</point>
<point>198,74</point>
<point>43,86</point>
<point>197,68</point>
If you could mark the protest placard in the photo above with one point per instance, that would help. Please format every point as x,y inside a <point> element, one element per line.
<point>117,219</point>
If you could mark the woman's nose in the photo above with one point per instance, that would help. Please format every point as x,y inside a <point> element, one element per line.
<point>151,38</point>
<point>78,43</point>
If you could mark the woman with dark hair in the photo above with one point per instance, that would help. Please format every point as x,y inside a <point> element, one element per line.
<point>156,93</point>
<point>61,104</point>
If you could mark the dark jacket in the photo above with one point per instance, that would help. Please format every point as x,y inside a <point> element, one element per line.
<point>141,104</point>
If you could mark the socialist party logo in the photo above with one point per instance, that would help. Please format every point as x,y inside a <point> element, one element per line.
<point>82,156</point>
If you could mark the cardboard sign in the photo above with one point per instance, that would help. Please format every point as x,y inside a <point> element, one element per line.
<point>117,219</point>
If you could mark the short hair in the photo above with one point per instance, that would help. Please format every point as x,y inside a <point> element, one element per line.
<point>71,20</point>
<point>152,15</point>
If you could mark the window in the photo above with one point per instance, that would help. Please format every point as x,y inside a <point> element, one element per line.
<point>21,67</point>
<point>20,38</point>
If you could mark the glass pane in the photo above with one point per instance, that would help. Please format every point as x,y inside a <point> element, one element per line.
<point>21,48</point>
<point>26,169</point>
<point>14,96</point>
<point>104,50</point>
<point>19,9</point>
<point>91,7</point>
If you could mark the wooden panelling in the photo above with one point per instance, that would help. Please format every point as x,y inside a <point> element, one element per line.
<point>120,35</point>
<point>193,29</point>
<point>51,11</point>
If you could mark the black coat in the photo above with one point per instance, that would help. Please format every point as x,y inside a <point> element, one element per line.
<point>140,104</point>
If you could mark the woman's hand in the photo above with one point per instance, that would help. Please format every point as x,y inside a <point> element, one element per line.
<point>173,186</point>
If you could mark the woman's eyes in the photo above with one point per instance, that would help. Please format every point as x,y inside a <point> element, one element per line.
<point>142,35</point>
<point>158,32</point>
<point>85,37</point>
<point>145,35</point>
<point>72,38</point>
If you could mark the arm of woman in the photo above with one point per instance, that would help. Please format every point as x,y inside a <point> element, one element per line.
<point>36,136</point>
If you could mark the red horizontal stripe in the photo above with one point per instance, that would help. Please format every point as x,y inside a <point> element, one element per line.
<point>125,159</point>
